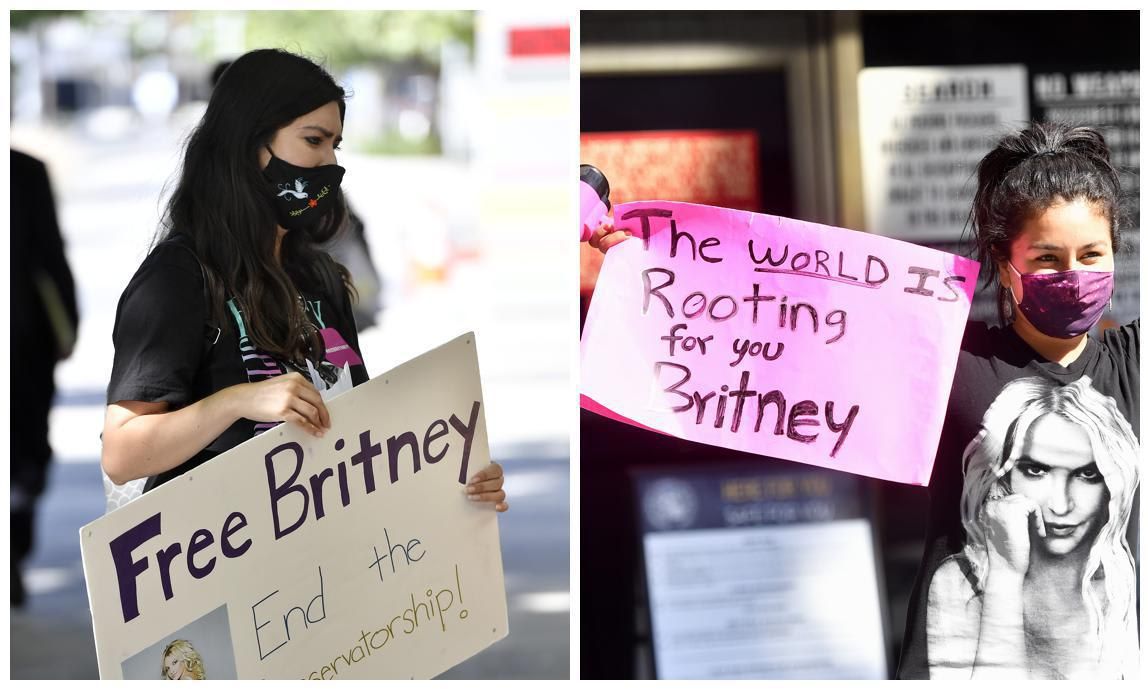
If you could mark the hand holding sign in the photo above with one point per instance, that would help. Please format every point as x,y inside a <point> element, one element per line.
<point>776,336</point>
<point>289,397</point>
<point>486,486</point>
<point>605,236</point>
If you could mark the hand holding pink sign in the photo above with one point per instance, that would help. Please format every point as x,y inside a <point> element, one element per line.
<point>776,336</point>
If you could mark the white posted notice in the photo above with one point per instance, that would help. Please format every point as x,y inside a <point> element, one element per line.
<point>784,601</point>
<point>923,131</point>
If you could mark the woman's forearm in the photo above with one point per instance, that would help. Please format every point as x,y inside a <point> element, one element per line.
<point>1001,643</point>
<point>145,439</point>
<point>137,445</point>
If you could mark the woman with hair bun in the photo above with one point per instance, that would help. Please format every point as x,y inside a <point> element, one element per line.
<point>235,311</point>
<point>1027,571</point>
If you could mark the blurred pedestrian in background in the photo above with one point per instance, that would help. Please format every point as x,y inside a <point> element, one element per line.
<point>44,321</point>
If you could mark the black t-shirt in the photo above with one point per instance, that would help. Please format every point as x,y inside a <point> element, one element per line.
<point>999,409</point>
<point>169,349</point>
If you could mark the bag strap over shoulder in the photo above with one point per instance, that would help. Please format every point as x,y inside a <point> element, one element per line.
<point>212,331</point>
<point>332,280</point>
<point>338,291</point>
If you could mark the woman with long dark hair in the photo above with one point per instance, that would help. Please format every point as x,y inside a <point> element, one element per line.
<point>220,329</point>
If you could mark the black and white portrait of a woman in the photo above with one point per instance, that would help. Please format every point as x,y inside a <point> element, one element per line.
<point>1045,586</point>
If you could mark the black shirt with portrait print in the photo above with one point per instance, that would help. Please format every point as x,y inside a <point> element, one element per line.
<point>168,349</point>
<point>990,358</point>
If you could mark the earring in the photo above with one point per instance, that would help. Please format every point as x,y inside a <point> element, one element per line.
<point>1007,299</point>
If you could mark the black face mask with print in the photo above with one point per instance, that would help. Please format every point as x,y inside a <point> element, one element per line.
<point>303,195</point>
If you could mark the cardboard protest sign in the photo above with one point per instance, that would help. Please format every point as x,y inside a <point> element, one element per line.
<point>775,336</point>
<point>355,555</point>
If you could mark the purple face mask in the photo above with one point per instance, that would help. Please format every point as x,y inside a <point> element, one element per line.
<point>1065,304</point>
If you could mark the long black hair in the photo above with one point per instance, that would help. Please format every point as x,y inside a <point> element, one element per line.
<point>222,203</point>
<point>1029,171</point>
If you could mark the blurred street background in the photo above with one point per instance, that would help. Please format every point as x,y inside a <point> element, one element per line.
<point>457,156</point>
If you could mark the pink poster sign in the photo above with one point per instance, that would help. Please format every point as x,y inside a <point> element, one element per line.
<point>780,337</point>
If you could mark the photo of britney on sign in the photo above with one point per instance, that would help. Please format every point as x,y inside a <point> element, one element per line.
<point>201,649</point>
